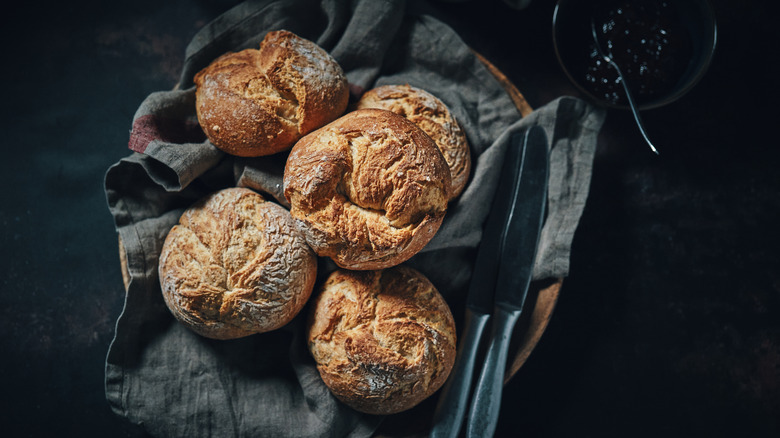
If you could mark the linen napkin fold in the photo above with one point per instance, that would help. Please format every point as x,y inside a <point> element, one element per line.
<point>176,383</point>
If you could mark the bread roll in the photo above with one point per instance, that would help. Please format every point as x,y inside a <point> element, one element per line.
<point>433,116</point>
<point>259,102</point>
<point>235,265</point>
<point>368,190</point>
<point>383,340</point>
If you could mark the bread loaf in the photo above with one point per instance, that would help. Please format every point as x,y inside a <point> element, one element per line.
<point>368,190</point>
<point>383,340</point>
<point>259,102</point>
<point>432,115</point>
<point>235,265</point>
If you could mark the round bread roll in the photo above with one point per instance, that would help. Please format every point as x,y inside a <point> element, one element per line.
<point>259,102</point>
<point>235,265</point>
<point>383,340</point>
<point>433,116</point>
<point>368,190</point>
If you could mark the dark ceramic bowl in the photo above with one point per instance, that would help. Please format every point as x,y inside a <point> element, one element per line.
<point>573,41</point>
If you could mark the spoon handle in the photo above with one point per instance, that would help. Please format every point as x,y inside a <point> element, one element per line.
<point>626,89</point>
<point>632,104</point>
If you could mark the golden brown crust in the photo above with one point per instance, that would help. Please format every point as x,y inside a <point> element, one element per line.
<point>433,116</point>
<point>383,340</point>
<point>235,265</point>
<point>368,190</point>
<point>259,102</point>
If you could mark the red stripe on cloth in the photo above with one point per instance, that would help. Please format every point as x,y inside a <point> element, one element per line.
<point>152,127</point>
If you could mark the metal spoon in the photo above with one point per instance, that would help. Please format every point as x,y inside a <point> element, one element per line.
<point>629,96</point>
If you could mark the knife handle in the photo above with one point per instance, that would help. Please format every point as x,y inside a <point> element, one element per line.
<point>483,417</point>
<point>448,417</point>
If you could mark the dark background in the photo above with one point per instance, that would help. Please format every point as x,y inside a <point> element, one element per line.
<point>668,325</point>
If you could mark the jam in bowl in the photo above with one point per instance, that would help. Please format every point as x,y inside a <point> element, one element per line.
<point>663,47</point>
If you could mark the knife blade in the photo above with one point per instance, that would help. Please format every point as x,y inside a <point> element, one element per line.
<point>518,253</point>
<point>451,408</point>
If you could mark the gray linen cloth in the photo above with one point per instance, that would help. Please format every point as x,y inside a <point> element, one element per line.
<point>176,383</point>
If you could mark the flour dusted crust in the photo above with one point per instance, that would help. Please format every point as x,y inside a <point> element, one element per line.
<point>368,190</point>
<point>235,265</point>
<point>432,115</point>
<point>383,340</point>
<point>259,102</point>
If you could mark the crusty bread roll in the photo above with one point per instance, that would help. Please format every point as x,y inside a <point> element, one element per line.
<point>432,115</point>
<point>368,190</point>
<point>383,340</point>
<point>236,265</point>
<point>259,102</point>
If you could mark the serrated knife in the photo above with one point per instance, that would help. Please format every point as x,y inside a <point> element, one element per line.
<point>506,220</point>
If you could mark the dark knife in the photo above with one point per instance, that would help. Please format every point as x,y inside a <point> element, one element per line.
<point>514,276</point>
<point>449,413</point>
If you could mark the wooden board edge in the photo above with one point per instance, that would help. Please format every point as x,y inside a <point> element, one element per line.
<point>517,97</point>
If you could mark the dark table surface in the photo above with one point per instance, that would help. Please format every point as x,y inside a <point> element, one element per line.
<point>668,324</point>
